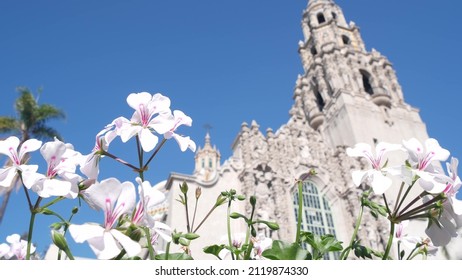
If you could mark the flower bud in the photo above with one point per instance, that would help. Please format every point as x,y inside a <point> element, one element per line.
<point>59,240</point>
<point>234,215</point>
<point>135,234</point>
<point>198,192</point>
<point>184,242</point>
<point>253,232</point>
<point>56,226</point>
<point>184,188</point>
<point>272,225</point>
<point>191,236</point>
<point>220,200</point>
<point>253,200</point>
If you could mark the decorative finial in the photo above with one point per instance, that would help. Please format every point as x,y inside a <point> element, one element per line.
<point>207,127</point>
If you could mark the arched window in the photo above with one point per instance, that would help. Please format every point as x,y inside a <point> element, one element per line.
<point>313,50</point>
<point>319,100</point>
<point>367,82</point>
<point>321,18</point>
<point>334,15</point>
<point>210,163</point>
<point>346,40</point>
<point>203,163</point>
<point>317,216</point>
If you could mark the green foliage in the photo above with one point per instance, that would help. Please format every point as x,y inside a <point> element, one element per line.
<point>31,118</point>
<point>8,125</point>
<point>364,252</point>
<point>175,257</point>
<point>376,209</point>
<point>281,250</point>
<point>214,250</point>
<point>321,245</point>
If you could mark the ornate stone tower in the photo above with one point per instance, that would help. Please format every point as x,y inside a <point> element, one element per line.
<point>344,85</point>
<point>346,95</point>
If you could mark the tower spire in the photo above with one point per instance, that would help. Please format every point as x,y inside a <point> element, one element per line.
<point>207,159</point>
<point>337,65</point>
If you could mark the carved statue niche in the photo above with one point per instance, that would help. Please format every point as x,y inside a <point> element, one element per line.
<point>265,207</point>
<point>244,144</point>
<point>258,143</point>
<point>297,109</point>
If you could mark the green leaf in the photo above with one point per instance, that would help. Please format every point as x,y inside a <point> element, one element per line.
<point>175,257</point>
<point>281,250</point>
<point>214,250</point>
<point>330,244</point>
<point>321,245</point>
<point>181,200</point>
<point>362,251</point>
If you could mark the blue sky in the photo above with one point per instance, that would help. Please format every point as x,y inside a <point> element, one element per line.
<point>221,62</point>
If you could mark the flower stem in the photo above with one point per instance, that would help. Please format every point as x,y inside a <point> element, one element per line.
<point>194,215</point>
<point>398,197</point>
<point>26,191</point>
<point>120,160</point>
<point>155,153</point>
<point>228,223</point>
<point>386,204</point>
<point>58,199</point>
<point>205,218</point>
<point>188,226</point>
<point>300,211</point>
<point>150,248</point>
<point>29,235</point>
<point>390,241</point>
<point>167,250</point>
<point>413,202</point>
<point>405,195</point>
<point>345,253</point>
<point>426,206</point>
<point>28,198</point>
<point>247,235</point>
<point>140,158</point>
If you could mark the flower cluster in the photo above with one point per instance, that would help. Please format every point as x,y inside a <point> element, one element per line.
<point>128,229</point>
<point>15,248</point>
<point>422,169</point>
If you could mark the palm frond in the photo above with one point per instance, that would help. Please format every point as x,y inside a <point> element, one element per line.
<point>44,132</point>
<point>9,125</point>
<point>26,106</point>
<point>46,112</point>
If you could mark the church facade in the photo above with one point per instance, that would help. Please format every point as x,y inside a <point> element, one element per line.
<point>345,96</point>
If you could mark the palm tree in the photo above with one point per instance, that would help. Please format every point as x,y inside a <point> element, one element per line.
<point>30,122</point>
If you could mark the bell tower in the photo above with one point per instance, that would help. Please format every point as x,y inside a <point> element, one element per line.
<point>207,161</point>
<point>347,93</point>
